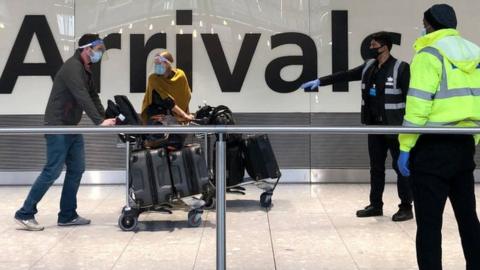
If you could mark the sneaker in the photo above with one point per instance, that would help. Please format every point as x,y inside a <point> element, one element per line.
<point>370,211</point>
<point>403,215</point>
<point>75,222</point>
<point>29,224</point>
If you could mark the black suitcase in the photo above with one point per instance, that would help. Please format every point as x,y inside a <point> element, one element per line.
<point>161,175</point>
<point>189,170</point>
<point>179,174</point>
<point>235,165</point>
<point>150,177</point>
<point>260,160</point>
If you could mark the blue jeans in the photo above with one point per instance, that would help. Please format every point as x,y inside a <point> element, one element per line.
<point>61,149</point>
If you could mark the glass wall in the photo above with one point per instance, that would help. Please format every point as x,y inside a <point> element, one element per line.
<point>249,55</point>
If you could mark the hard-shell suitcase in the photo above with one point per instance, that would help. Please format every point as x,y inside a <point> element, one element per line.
<point>260,160</point>
<point>197,168</point>
<point>140,182</point>
<point>235,164</point>
<point>161,175</point>
<point>179,174</point>
<point>150,177</point>
<point>189,170</point>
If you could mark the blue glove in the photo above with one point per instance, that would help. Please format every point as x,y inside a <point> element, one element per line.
<point>311,85</point>
<point>402,163</point>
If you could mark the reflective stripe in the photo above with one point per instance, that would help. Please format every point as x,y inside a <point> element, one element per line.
<point>436,53</point>
<point>407,123</point>
<point>393,90</point>
<point>432,51</point>
<point>394,106</point>
<point>460,92</point>
<point>420,94</point>
<point>368,64</point>
<point>390,91</point>
<point>395,72</point>
<point>444,92</point>
<point>442,124</point>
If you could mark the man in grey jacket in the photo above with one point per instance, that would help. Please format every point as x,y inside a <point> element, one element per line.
<point>73,92</point>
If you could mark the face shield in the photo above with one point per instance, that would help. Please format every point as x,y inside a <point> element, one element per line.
<point>161,65</point>
<point>97,46</point>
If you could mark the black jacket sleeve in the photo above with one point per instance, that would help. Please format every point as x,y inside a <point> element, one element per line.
<point>79,89</point>
<point>96,101</point>
<point>404,79</point>
<point>354,74</point>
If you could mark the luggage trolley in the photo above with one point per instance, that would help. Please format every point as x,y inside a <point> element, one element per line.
<point>157,178</point>
<point>259,162</point>
<point>128,219</point>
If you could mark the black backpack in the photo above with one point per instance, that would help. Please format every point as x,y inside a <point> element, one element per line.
<point>113,111</point>
<point>127,110</point>
<point>159,105</point>
<point>125,114</point>
<point>204,112</point>
<point>222,115</point>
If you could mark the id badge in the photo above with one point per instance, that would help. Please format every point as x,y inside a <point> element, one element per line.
<point>373,92</point>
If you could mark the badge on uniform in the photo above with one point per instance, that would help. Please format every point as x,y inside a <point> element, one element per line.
<point>373,92</point>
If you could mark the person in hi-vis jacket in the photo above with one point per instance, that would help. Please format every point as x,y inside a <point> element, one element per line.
<point>444,92</point>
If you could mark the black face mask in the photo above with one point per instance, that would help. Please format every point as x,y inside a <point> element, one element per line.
<point>373,52</point>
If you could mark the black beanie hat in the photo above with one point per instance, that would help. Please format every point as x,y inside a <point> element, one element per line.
<point>441,16</point>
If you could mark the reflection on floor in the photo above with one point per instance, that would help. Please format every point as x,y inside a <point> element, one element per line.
<point>309,227</point>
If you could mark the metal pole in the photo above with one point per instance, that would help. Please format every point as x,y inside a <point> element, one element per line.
<point>235,130</point>
<point>127,173</point>
<point>206,150</point>
<point>220,185</point>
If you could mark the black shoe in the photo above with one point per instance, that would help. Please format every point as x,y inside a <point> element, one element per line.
<point>370,211</point>
<point>403,215</point>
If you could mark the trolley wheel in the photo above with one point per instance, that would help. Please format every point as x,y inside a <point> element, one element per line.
<point>266,199</point>
<point>127,222</point>
<point>210,203</point>
<point>195,218</point>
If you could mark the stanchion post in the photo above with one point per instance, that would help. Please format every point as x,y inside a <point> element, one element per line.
<point>127,173</point>
<point>220,190</point>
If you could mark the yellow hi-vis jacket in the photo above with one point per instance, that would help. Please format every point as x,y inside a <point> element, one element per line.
<point>444,86</point>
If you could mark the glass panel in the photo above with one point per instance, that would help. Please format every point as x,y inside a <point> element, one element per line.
<point>53,15</point>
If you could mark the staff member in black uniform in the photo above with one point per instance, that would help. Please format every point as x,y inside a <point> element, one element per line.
<point>385,83</point>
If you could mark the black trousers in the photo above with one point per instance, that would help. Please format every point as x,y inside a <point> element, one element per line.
<point>378,146</point>
<point>442,167</point>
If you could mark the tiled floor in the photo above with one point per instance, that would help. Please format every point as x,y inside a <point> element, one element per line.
<point>309,227</point>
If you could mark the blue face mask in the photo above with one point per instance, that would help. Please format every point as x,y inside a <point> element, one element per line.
<point>159,69</point>
<point>423,32</point>
<point>95,56</point>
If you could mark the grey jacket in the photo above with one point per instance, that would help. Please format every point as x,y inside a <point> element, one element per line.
<point>73,92</point>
